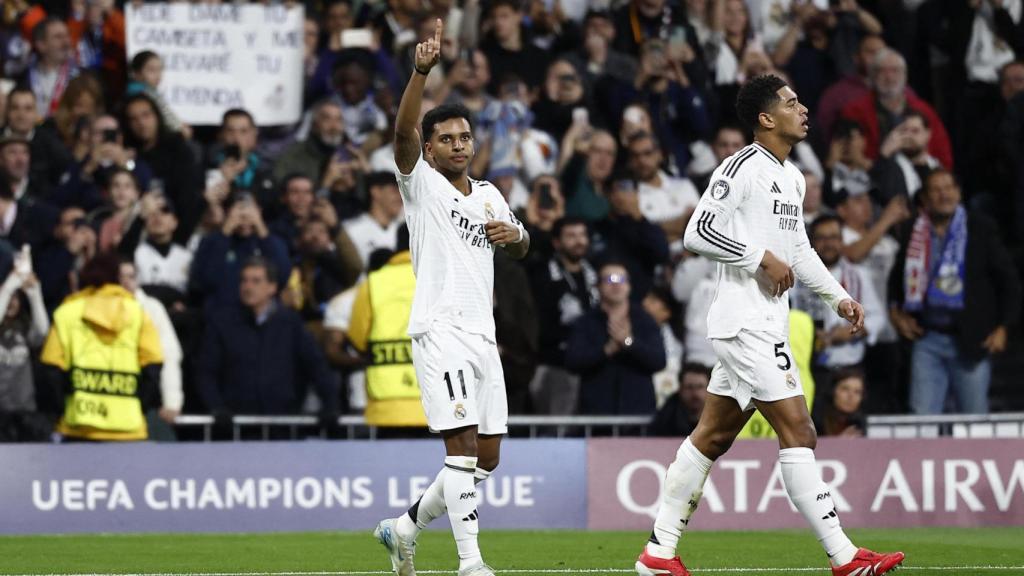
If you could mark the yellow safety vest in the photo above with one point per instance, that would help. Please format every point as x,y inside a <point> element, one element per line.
<point>801,342</point>
<point>393,393</point>
<point>102,338</point>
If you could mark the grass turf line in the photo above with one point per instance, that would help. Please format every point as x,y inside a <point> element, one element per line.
<point>508,550</point>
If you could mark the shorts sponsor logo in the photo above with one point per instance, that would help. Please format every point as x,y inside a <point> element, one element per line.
<point>719,190</point>
<point>790,381</point>
<point>460,411</point>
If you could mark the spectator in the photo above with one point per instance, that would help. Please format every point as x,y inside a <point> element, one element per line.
<point>172,396</point>
<point>735,39</point>
<point>365,122</point>
<point>257,357</point>
<point>85,179</point>
<point>509,50</point>
<point>395,25</point>
<point>102,334</point>
<point>516,333</point>
<point>676,108</point>
<point>904,160</point>
<point>98,35</point>
<point>16,163</point>
<point>340,352</point>
<point>890,100</point>
<point>58,263</point>
<point>729,139</point>
<point>848,161</point>
<point>849,88</point>
<point>543,209</point>
<point>679,416</point>
<point>24,219</point>
<point>955,294</point>
<point>836,344</point>
<point>311,157</point>
<point>586,174</point>
<point>615,348</point>
<point>161,264</point>
<point>22,330</point>
<point>627,236</point>
<point>219,258</point>
<point>147,70</point>
<point>466,83</point>
<point>338,16</point>
<point>123,191</point>
<point>842,415</point>
<point>50,158</point>
<point>640,20</point>
<point>664,200</point>
<point>564,288</point>
<point>236,161</point>
<point>321,269</point>
<point>54,66</point>
<point>82,99</point>
<point>868,244</point>
<point>596,57</point>
<point>813,206</point>
<point>560,96</point>
<point>379,329</point>
<point>377,227</point>
<point>169,156</point>
<point>693,285</point>
<point>662,307</point>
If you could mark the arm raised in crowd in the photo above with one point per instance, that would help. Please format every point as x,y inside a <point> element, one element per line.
<point>407,137</point>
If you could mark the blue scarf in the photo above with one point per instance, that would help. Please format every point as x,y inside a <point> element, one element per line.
<point>946,277</point>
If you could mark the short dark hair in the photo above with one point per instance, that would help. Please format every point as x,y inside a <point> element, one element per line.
<point>513,4</point>
<point>612,261</point>
<point>140,60</point>
<point>846,372</point>
<point>938,172</point>
<point>695,368</point>
<point>821,221</point>
<point>21,89</point>
<point>844,128</point>
<point>442,113</point>
<point>756,97</point>
<point>911,113</point>
<point>292,177</point>
<point>104,268</point>
<point>561,223</point>
<point>380,178</point>
<point>260,262</point>
<point>643,135</point>
<point>40,29</point>
<point>235,112</point>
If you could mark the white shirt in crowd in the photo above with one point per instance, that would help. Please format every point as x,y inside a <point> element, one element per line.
<point>876,266</point>
<point>338,316</point>
<point>451,256</point>
<point>368,235</point>
<point>669,201</point>
<point>153,268</point>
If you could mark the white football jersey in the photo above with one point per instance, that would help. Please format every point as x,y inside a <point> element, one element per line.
<point>754,203</point>
<point>451,256</point>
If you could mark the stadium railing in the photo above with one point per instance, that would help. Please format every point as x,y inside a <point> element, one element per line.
<point>1000,425</point>
<point>305,426</point>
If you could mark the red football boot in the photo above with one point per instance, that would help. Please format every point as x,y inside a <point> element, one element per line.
<point>647,565</point>
<point>868,563</point>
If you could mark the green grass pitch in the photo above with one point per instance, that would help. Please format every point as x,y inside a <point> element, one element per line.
<point>929,551</point>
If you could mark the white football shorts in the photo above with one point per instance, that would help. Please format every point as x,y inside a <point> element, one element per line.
<point>754,366</point>
<point>461,380</point>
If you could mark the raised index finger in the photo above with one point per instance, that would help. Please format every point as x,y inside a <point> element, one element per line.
<point>438,27</point>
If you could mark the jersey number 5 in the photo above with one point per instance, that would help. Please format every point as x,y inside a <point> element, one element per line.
<point>462,384</point>
<point>779,353</point>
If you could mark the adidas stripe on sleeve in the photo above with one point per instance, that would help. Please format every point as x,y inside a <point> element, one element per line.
<point>706,232</point>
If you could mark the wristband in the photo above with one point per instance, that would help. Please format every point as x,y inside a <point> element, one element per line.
<point>417,69</point>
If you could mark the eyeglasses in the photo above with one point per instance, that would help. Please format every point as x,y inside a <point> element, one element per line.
<point>615,279</point>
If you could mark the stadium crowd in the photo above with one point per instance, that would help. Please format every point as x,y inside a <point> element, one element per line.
<point>600,122</point>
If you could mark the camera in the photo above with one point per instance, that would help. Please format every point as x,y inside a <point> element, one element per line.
<point>233,151</point>
<point>545,200</point>
<point>110,135</point>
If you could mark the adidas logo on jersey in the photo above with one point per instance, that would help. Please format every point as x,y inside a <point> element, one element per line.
<point>472,516</point>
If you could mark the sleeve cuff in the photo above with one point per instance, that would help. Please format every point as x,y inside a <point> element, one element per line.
<point>754,263</point>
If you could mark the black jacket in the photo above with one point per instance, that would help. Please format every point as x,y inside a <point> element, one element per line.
<point>992,288</point>
<point>618,384</point>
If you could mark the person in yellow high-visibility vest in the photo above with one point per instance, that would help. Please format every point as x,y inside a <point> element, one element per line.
<point>108,353</point>
<point>379,327</point>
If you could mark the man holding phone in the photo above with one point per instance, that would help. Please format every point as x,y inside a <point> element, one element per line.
<point>237,162</point>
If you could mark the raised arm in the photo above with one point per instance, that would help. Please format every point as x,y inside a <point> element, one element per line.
<point>407,137</point>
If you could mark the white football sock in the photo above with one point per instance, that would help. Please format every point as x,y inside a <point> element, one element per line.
<point>812,498</point>
<point>680,495</point>
<point>460,499</point>
<point>430,505</point>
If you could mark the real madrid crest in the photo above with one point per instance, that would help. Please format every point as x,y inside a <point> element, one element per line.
<point>488,211</point>
<point>790,381</point>
<point>460,411</point>
<point>719,190</point>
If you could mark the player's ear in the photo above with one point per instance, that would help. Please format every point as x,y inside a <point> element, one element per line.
<point>766,121</point>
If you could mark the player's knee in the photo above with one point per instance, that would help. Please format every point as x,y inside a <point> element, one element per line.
<point>460,442</point>
<point>489,463</point>
<point>803,436</point>
<point>713,444</point>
